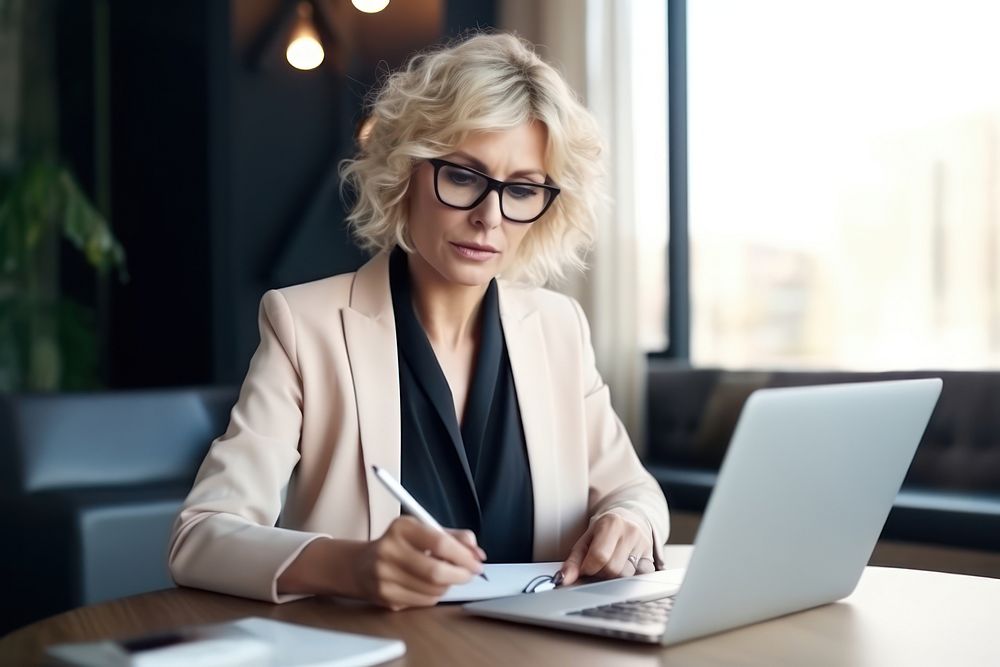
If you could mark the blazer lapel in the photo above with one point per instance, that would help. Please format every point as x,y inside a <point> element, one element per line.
<point>370,336</point>
<point>530,366</point>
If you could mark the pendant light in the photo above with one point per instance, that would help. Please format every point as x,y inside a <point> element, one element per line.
<point>304,51</point>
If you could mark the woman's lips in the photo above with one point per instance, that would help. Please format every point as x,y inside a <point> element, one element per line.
<point>473,252</point>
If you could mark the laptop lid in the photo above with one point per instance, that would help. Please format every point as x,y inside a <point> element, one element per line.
<point>807,483</point>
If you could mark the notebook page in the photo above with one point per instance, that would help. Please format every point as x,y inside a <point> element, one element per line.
<point>505,579</point>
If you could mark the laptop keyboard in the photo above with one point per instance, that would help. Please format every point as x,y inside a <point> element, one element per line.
<point>650,612</point>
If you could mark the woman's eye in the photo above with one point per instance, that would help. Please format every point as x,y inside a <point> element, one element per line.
<point>522,192</point>
<point>461,178</point>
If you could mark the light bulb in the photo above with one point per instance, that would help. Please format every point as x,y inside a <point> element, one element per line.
<point>304,50</point>
<point>370,6</point>
<point>305,53</point>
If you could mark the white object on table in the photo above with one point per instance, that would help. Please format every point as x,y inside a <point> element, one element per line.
<point>247,642</point>
<point>505,579</point>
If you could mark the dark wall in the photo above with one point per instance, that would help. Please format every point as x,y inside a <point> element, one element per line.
<point>277,134</point>
<point>159,193</point>
<point>75,99</point>
<point>223,163</point>
<point>280,134</point>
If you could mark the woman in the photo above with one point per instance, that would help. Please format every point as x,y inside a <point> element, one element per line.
<point>480,395</point>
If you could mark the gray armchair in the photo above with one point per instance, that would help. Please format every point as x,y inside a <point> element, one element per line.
<point>90,484</point>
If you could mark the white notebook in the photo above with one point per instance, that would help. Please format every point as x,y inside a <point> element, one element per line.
<point>247,642</point>
<point>505,579</point>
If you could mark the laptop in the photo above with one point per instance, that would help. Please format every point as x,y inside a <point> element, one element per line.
<point>807,483</point>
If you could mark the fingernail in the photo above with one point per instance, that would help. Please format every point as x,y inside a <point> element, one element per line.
<point>558,579</point>
<point>482,554</point>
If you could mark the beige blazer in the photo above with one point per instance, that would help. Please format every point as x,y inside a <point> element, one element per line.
<point>320,406</point>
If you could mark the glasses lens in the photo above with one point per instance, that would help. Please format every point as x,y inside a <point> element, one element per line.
<point>523,201</point>
<point>459,187</point>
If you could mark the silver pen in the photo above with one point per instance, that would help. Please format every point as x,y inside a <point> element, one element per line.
<point>409,502</point>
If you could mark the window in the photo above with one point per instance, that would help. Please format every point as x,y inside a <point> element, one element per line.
<point>844,183</point>
<point>647,44</point>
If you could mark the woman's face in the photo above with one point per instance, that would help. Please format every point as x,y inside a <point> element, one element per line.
<point>472,247</point>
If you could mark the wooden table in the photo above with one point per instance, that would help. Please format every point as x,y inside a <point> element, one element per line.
<point>895,617</point>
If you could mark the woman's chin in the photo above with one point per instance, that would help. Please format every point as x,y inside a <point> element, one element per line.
<point>469,276</point>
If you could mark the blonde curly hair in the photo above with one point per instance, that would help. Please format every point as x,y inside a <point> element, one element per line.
<point>487,82</point>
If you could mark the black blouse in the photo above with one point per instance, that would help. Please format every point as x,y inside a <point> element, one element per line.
<point>476,476</point>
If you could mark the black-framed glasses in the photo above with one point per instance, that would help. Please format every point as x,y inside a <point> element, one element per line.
<point>464,188</point>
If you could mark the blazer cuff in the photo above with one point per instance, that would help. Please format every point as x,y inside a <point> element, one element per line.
<point>281,598</point>
<point>240,558</point>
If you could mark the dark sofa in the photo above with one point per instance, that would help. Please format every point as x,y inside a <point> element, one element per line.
<point>90,484</point>
<point>951,494</point>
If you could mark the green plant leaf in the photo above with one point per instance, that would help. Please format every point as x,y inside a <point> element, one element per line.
<point>40,199</point>
<point>87,229</point>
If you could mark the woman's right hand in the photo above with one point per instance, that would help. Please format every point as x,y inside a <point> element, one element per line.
<point>412,565</point>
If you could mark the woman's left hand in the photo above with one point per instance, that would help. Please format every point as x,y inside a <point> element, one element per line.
<point>604,551</point>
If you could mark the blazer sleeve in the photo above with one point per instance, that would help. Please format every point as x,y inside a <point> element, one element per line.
<point>225,537</point>
<point>618,482</point>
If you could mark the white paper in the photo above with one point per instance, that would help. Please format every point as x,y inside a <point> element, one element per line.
<point>505,579</point>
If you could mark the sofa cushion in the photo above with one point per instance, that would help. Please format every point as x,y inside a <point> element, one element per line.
<point>123,546</point>
<point>97,439</point>
<point>90,484</point>
<point>80,546</point>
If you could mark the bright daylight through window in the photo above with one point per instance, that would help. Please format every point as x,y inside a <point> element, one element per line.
<point>648,112</point>
<point>844,183</point>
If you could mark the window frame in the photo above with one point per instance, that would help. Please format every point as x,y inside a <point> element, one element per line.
<point>678,252</point>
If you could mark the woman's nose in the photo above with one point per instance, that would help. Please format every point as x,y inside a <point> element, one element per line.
<point>488,213</point>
